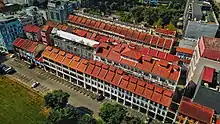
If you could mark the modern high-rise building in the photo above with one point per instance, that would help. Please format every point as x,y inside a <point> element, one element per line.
<point>10,29</point>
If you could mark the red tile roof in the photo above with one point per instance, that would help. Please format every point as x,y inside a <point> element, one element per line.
<point>196,111</point>
<point>208,74</point>
<point>111,75</point>
<point>128,52</point>
<point>32,28</point>
<point>209,48</point>
<point>25,44</point>
<point>166,32</point>
<point>144,62</point>
<point>130,34</point>
<point>184,50</point>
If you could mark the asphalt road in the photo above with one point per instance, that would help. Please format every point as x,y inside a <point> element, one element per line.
<point>49,82</point>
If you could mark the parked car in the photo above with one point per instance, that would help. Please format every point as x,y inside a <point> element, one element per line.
<point>100,97</point>
<point>34,85</point>
<point>4,69</point>
<point>31,66</point>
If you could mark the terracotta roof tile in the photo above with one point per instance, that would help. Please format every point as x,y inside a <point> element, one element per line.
<point>67,59</point>
<point>129,34</point>
<point>102,25</point>
<point>75,62</point>
<point>141,83</point>
<point>166,101</point>
<point>161,55</point>
<point>196,111</point>
<point>87,22</point>
<point>168,44</point>
<point>161,71</point>
<point>184,50</point>
<point>156,97</point>
<point>113,28</point>
<point>168,93</point>
<point>97,24</point>
<point>83,21</point>
<point>131,87</point>
<point>150,86</point>
<point>123,84</point>
<point>82,66</point>
<point>89,69</point>
<point>107,26</point>
<point>128,62</point>
<point>148,39</point>
<point>161,42</point>
<point>155,40</point>
<point>103,73</point>
<point>118,30</point>
<point>78,20</point>
<point>109,76</point>
<point>135,34</point>
<point>147,93</point>
<point>116,80</point>
<point>153,52</point>
<point>142,36</point>
<point>139,90</point>
<point>124,31</point>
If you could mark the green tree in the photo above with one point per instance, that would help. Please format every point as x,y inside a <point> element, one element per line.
<point>112,113</point>
<point>56,99</point>
<point>131,120</point>
<point>66,115</point>
<point>87,119</point>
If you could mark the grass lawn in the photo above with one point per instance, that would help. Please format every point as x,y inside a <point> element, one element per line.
<point>18,105</point>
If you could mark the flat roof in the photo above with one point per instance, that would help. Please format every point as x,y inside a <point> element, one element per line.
<point>208,97</point>
<point>188,43</point>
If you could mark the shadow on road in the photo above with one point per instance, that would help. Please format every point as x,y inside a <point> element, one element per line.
<point>84,110</point>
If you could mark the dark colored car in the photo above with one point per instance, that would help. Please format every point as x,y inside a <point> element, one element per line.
<point>4,69</point>
<point>100,97</point>
<point>31,66</point>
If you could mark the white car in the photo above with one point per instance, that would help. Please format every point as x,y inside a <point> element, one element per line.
<point>34,85</point>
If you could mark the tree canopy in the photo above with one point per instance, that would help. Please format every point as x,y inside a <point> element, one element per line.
<point>66,115</point>
<point>56,99</point>
<point>117,114</point>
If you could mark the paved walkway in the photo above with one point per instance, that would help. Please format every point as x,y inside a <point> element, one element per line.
<point>50,82</point>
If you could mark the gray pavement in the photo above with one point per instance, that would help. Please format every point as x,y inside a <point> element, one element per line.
<point>78,96</point>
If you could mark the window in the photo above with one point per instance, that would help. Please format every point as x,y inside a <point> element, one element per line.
<point>57,16</point>
<point>51,15</point>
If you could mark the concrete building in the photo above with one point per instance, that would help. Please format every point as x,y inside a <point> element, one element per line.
<point>28,50</point>
<point>163,41</point>
<point>185,49</point>
<point>74,44</point>
<point>199,20</point>
<point>208,89</point>
<point>206,53</point>
<point>59,11</point>
<point>36,15</point>
<point>10,29</point>
<point>45,35</point>
<point>112,82</point>
<point>33,32</point>
<point>190,112</point>
<point>136,61</point>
